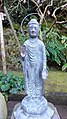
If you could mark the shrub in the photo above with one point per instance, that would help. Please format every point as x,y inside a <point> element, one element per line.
<point>10,83</point>
<point>55,50</point>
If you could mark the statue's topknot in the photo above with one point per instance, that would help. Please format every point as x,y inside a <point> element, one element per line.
<point>33,21</point>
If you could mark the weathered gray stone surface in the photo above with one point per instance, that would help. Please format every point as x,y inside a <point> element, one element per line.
<point>3,107</point>
<point>55,116</point>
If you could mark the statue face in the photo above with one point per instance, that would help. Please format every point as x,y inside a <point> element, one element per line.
<point>33,30</point>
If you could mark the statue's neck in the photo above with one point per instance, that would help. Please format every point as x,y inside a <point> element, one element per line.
<point>33,40</point>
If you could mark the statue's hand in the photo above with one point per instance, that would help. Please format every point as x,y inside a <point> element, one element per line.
<point>44,74</point>
<point>23,51</point>
<point>22,54</point>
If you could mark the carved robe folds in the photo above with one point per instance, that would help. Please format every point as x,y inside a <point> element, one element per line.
<point>34,64</point>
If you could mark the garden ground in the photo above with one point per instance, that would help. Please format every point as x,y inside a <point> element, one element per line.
<point>56,81</point>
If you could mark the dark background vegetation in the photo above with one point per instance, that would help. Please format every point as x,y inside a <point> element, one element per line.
<point>55,40</point>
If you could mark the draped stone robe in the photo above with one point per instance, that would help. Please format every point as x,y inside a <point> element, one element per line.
<point>34,64</point>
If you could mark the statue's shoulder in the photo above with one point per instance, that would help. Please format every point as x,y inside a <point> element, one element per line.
<point>26,42</point>
<point>41,43</point>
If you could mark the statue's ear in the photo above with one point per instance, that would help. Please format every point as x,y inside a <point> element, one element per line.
<point>28,28</point>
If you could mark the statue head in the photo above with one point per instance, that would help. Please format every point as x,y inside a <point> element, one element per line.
<point>33,28</point>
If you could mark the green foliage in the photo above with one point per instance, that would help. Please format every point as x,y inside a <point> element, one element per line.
<point>16,26</point>
<point>64,67</point>
<point>21,38</point>
<point>64,40</point>
<point>15,9</point>
<point>56,51</point>
<point>18,10</point>
<point>12,52</point>
<point>10,83</point>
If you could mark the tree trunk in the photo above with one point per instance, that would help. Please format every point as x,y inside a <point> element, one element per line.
<point>2,44</point>
<point>5,9</point>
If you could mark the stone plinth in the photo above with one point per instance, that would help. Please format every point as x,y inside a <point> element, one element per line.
<point>35,109</point>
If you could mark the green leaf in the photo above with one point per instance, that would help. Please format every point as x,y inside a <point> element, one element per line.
<point>62,57</point>
<point>4,78</point>
<point>11,81</point>
<point>9,74</point>
<point>51,50</point>
<point>14,85</point>
<point>5,87</point>
<point>1,73</point>
<point>0,84</point>
<point>65,45</point>
<point>64,67</point>
<point>64,38</point>
<point>16,78</point>
<point>8,79</point>
<point>13,90</point>
<point>58,60</point>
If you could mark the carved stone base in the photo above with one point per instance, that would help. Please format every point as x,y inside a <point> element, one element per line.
<point>34,106</point>
<point>35,109</point>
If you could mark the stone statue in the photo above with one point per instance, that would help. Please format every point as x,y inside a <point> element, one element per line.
<point>34,59</point>
<point>34,105</point>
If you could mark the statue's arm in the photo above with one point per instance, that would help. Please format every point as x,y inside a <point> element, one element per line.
<point>44,71</point>
<point>44,58</point>
<point>23,52</point>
